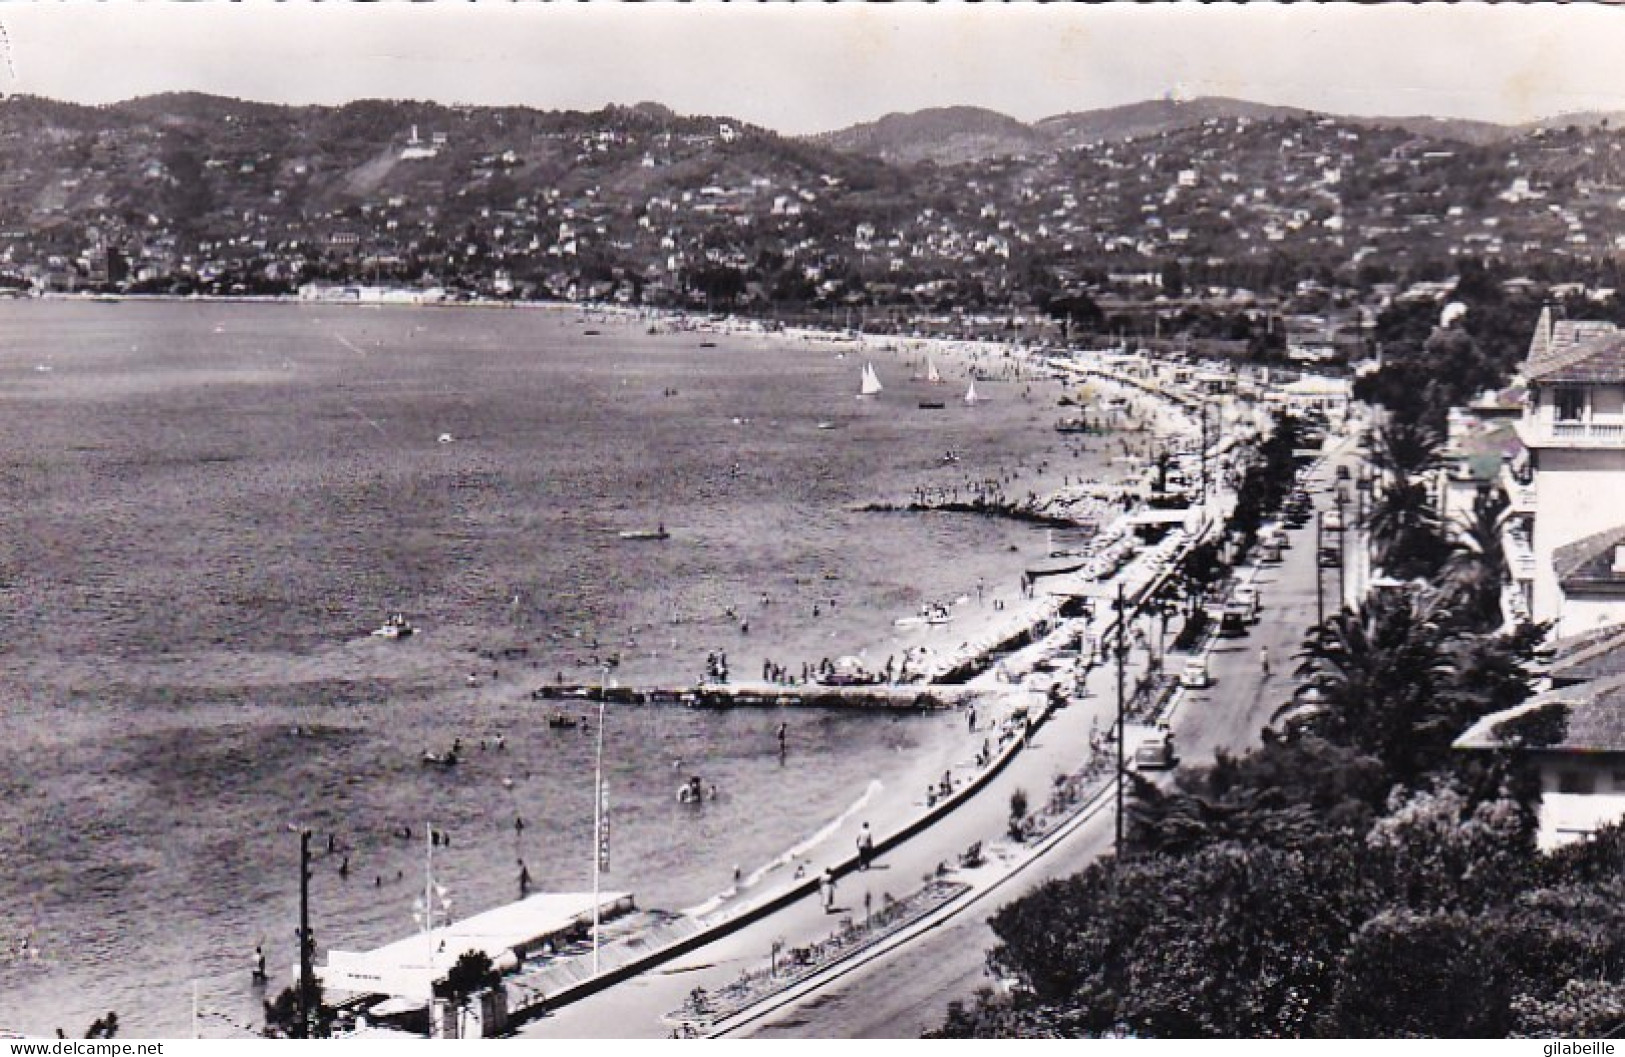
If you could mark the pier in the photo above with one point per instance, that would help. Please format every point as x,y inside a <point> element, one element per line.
<point>757,694</point>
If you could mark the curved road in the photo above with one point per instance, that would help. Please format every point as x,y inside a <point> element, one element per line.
<point>905,993</point>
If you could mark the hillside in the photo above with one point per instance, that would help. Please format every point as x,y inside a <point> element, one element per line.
<point>1134,120</point>
<point>184,193</point>
<point>945,135</point>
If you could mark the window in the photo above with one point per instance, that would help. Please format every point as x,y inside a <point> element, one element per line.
<point>1576,782</point>
<point>1570,403</point>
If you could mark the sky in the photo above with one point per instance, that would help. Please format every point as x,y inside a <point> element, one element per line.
<point>801,68</point>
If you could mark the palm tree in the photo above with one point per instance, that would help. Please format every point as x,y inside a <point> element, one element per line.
<point>1477,567</point>
<point>1406,530</point>
<point>1375,674</point>
<point>1403,450</point>
<point>1404,522</point>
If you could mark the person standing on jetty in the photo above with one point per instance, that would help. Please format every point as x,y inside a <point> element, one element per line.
<point>826,888</point>
<point>866,847</point>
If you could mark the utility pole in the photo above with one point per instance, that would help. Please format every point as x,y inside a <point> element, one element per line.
<point>1122,732</point>
<point>598,796</point>
<point>1342,557</point>
<point>1320,588</point>
<point>1204,455</point>
<point>306,984</point>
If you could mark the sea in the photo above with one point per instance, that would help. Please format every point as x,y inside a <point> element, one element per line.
<point>206,508</point>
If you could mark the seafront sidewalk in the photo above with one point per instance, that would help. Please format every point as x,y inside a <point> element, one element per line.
<point>914,843</point>
<point>904,862</point>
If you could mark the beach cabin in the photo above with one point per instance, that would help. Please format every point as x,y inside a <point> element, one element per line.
<point>403,973</point>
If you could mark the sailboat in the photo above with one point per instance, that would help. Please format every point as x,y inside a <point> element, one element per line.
<point>931,374</point>
<point>970,394</point>
<point>871,381</point>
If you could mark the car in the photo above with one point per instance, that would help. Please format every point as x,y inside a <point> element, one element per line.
<point>1195,674</point>
<point>1331,521</point>
<point>1247,599</point>
<point>1233,621</point>
<point>1269,553</point>
<point>1156,753</point>
<point>1330,557</point>
<point>1343,473</point>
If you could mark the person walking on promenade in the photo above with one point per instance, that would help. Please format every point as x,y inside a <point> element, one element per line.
<point>866,847</point>
<point>784,735</point>
<point>971,718</point>
<point>826,886</point>
<point>1264,660</point>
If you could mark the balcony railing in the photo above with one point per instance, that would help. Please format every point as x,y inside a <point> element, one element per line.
<point>1576,433</point>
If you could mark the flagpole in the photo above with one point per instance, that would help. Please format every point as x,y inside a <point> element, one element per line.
<point>598,816</point>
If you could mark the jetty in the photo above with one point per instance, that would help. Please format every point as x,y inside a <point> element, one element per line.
<point>757,694</point>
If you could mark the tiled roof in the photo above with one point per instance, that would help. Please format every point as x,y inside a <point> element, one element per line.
<point>1596,719</point>
<point>1589,560</point>
<point>1576,351</point>
<point>1599,654</point>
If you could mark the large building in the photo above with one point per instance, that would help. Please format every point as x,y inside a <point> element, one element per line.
<point>1573,428</point>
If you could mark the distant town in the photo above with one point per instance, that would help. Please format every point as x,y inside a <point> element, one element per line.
<point>1244,228</point>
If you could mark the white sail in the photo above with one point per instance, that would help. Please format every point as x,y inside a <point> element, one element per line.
<point>970,394</point>
<point>931,374</point>
<point>871,381</point>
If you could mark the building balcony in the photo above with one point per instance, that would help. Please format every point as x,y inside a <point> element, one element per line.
<point>1520,555</point>
<point>1582,433</point>
<point>1520,496</point>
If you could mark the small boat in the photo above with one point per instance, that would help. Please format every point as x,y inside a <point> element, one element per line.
<point>646,534</point>
<point>826,425</point>
<point>970,394</point>
<point>396,627</point>
<point>708,344</point>
<point>871,381</point>
<point>440,759</point>
<point>950,456</point>
<point>931,374</point>
<point>589,333</point>
<point>1073,425</point>
<point>560,721</point>
<point>444,438</point>
<point>932,405</point>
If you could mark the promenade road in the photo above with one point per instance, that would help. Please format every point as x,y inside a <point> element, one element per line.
<point>899,994</point>
<point>907,992</point>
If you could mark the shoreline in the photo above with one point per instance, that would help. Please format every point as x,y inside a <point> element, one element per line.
<point>904,776</point>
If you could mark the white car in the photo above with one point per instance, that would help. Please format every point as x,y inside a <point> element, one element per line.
<point>1195,674</point>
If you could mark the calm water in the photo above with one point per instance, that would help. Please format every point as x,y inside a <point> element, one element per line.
<point>207,507</point>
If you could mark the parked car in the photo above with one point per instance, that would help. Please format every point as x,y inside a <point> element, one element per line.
<point>1330,557</point>
<point>1156,753</point>
<point>1233,621</point>
<point>1195,674</point>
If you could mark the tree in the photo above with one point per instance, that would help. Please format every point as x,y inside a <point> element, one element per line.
<point>282,1015</point>
<point>1376,670</point>
<point>1477,567</point>
<point>472,973</point>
